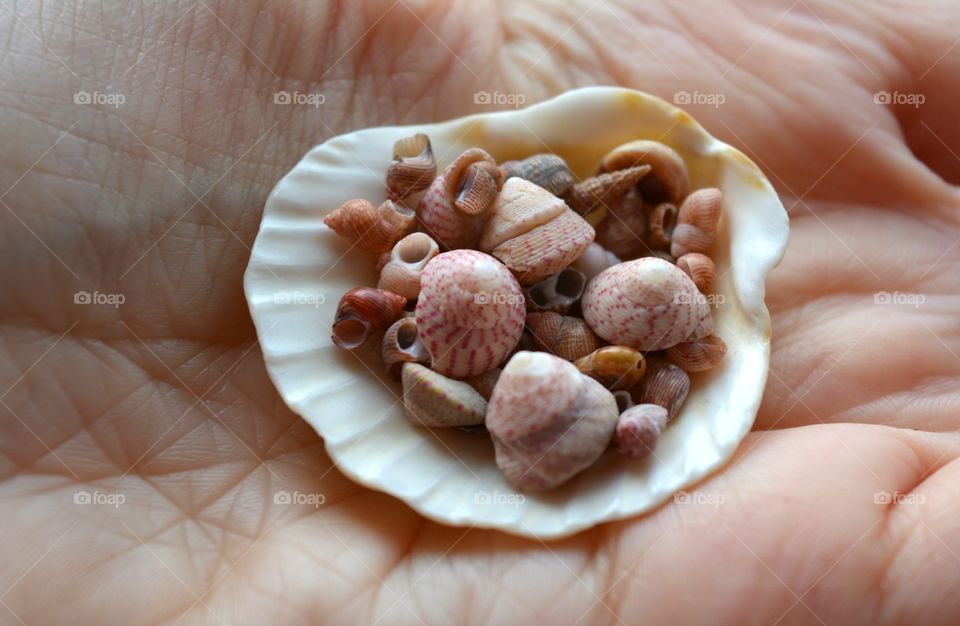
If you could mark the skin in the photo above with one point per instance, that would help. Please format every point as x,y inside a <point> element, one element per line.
<point>165,399</point>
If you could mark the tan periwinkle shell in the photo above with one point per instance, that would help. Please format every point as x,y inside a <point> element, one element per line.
<point>533,232</point>
<point>401,344</point>
<point>470,313</point>
<point>638,429</point>
<point>699,354</point>
<point>544,170</point>
<point>453,209</point>
<point>556,293</point>
<point>661,222</point>
<point>548,421</point>
<point>446,475</point>
<point>664,384</point>
<point>697,222</point>
<point>401,274</point>
<point>594,260</point>
<point>667,181</point>
<point>614,367</point>
<point>372,228</point>
<point>569,338</point>
<point>700,269</point>
<point>414,166</point>
<point>432,399</point>
<point>362,313</point>
<point>624,229</point>
<point>603,189</point>
<point>646,304</point>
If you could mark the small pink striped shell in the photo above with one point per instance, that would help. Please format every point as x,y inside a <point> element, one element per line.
<point>470,314</point>
<point>438,211</point>
<point>646,304</point>
<point>547,420</point>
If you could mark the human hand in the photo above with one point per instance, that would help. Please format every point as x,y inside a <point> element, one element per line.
<point>160,409</point>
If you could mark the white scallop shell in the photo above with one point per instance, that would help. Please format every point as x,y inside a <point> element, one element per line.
<point>299,269</point>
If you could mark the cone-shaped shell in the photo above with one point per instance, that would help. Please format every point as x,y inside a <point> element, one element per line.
<point>431,399</point>
<point>401,274</point>
<point>520,207</point>
<point>569,338</point>
<point>646,304</point>
<point>372,228</point>
<point>667,181</point>
<point>546,249</point>
<point>364,312</point>
<point>604,188</point>
<point>547,420</point>
<point>461,185</point>
<point>470,313</point>
<point>638,429</point>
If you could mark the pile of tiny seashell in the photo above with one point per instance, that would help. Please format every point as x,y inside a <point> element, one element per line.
<point>561,317</point>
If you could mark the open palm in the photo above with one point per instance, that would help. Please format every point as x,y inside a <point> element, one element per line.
<point>141,442</point>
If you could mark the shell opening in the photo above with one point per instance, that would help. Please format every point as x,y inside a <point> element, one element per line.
<point>350,333</point>
<point>415,250</point>
<point>570,284</point>
<point>407,336</point>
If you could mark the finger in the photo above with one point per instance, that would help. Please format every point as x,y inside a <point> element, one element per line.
<point>811,522</point>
